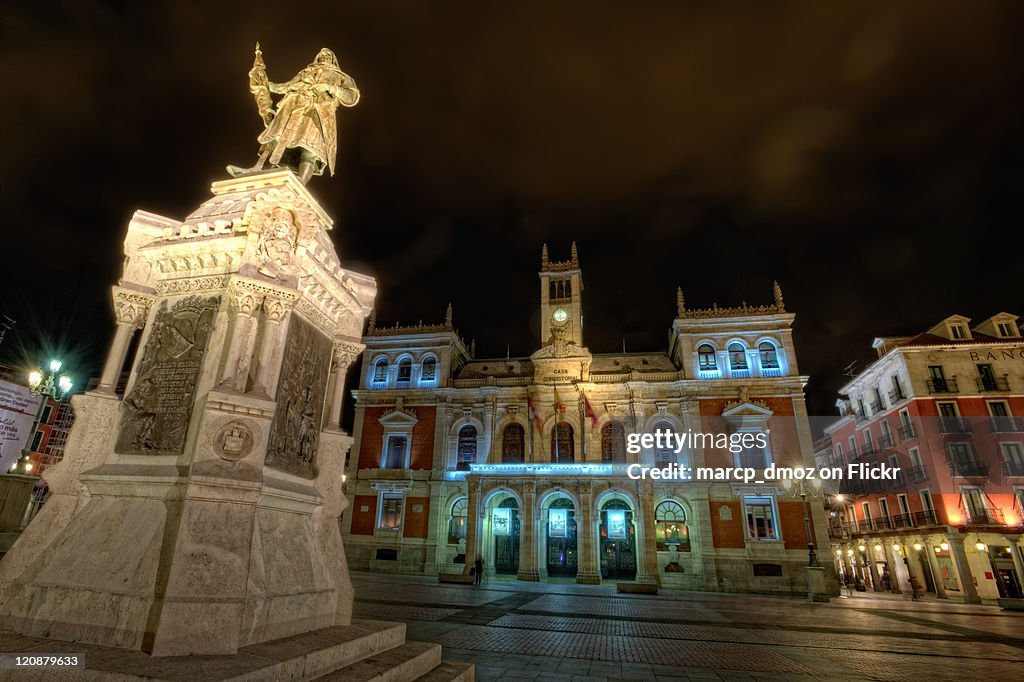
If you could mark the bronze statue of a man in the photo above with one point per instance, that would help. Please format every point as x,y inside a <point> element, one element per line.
<point>302,131</point>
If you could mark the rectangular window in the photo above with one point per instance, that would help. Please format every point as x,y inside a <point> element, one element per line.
<point>974,504</point>
<point>886,440</point>
<point>45,417</point>
<point>760,518</point>
<point>998,408</point>
<point>36,440</point>
<point>390,511</point>
<point>394,455</point>
<point>883,507</point>
<point>959,332</point>
<point>948,410</point>
<point>1005,329</point>
<point>380,372</point>
<point>926,501</point>
<point>866,508</point>
<point>897,388</point>
<point>904,504</point>
<point>1013,458</point>
<point>839,452</point>
<point>915,457</point>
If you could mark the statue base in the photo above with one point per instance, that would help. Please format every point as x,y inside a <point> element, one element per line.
<point>361,651</point>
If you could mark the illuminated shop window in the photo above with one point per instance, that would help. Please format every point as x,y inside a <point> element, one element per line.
<point>457,522</point>
<point>390,511</point>
<point>670,527</point>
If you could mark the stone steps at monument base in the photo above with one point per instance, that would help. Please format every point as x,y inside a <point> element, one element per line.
<point>450,671</point>
<point>300,657</point>
<point>401,664</point>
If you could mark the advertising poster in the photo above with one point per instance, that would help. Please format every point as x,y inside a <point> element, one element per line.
<point>18,408</point>
<point>616,524</point>
<point>558,521</point>
<point>501,522</point>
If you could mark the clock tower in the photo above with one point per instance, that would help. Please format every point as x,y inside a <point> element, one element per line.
<point>561,298</point>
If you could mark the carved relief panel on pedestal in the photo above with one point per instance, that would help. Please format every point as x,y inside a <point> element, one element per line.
<point>295,431</point>
<point>156,412</point>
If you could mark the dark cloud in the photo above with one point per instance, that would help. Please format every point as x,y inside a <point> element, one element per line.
<point>866,155</point>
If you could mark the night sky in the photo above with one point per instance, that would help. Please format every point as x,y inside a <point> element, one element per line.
<point>866,155</point>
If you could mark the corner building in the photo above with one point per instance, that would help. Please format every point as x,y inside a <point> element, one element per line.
<point>523,460</point>
<point>946,406</point>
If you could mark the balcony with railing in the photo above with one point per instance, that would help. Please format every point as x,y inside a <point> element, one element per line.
<point>986,517</point>
<point>877,406</point>
<point>954,425</point>
<point>859,416</point>
<point>915,519</point>
<point>852,455</point>
<point>1013,468</point>
<point>993,384</point>
<point>936,385</point>
<point>1006,424</point>
<point>906,432</point>
<point>896,396</point>
<point>917,474</point>
<point>885,442</point>
<point>868,449</point>
<point>968,469</point>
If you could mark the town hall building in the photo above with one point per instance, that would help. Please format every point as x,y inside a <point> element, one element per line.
<point>523,461</point>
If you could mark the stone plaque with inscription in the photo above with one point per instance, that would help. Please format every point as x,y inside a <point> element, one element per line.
<point>155,413</point>
<point>295,431</point>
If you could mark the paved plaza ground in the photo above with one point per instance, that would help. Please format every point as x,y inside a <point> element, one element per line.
<point>536,631</point>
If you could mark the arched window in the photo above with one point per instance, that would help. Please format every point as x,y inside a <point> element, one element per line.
<point>768,354</point>
<point>562,443</point>
<point>513,444</point>
<point>457,522</point>
<point>613,442</point>
<point>380,371</point>
<point>667,452</point>
<point>737,356</point>
<point>429,369</point>
<point>404,371</point>
<point>467,447</point>
<point>706,356</point>
<point>670,526</point>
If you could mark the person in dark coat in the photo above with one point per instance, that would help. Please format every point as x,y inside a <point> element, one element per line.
<point>478,570</point>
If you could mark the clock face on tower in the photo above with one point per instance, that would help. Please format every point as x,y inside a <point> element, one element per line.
<point>559,316</point>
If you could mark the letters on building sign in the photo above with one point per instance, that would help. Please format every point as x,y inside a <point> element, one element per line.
<point>1001,354</point>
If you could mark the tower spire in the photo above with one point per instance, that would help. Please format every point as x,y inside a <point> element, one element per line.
<point>544,254</point>
<point>573,256</point>
<point>779,303</point>
<point>448,316</point>
<point>680,303</point>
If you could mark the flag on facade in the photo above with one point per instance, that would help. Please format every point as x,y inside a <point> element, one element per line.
<point>558,402</point>
<point>589,411</point>
<point>534,415</point>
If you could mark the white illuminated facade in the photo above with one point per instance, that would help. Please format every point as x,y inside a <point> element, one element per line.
<point>522,461</point>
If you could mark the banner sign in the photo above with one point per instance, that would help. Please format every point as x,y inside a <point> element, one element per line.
<point>501,522</point>
<point>18,409</point>
<point>558,522</point>
<point>616,524</point>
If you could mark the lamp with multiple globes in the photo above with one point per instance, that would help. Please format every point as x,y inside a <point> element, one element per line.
<point>48,383</point>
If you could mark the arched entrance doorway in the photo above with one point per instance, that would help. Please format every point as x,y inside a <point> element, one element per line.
<point>562,557</point>
<point>505,529</point>
<point>617,549</point>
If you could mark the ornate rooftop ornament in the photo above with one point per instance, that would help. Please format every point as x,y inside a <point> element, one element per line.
<point>302,131</point>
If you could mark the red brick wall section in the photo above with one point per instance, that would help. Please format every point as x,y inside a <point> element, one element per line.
<point>371,439</point>
<point>363,521</point>
<point>794,534</point>
<point>784,439</point>
<point>416,521</point>
<point>727,533</point>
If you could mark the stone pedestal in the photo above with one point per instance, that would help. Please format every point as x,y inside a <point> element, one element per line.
<point>817,590</point>
<point>199,514</point>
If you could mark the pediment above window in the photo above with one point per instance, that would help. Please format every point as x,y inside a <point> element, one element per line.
<point>747,416</point>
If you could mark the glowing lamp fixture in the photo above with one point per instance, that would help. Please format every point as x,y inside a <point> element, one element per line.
<point>878,548</point>
<point>840,497</point>
<point>980,546</point>
<point>49,383</point>
<point>849,552</point>
<point>35,378</point>
<point>895,545</point>
<point>55,365</point>
<point>839,552</point>
<point>861,547</point>
<point>945,546</point>
<point>918,547</point>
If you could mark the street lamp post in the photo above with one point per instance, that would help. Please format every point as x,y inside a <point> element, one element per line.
<point>48,383</point>
<point>801,489</point>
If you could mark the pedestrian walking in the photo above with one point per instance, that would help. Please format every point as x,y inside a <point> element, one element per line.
<point>478,571</point>
<point>915,588</point>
